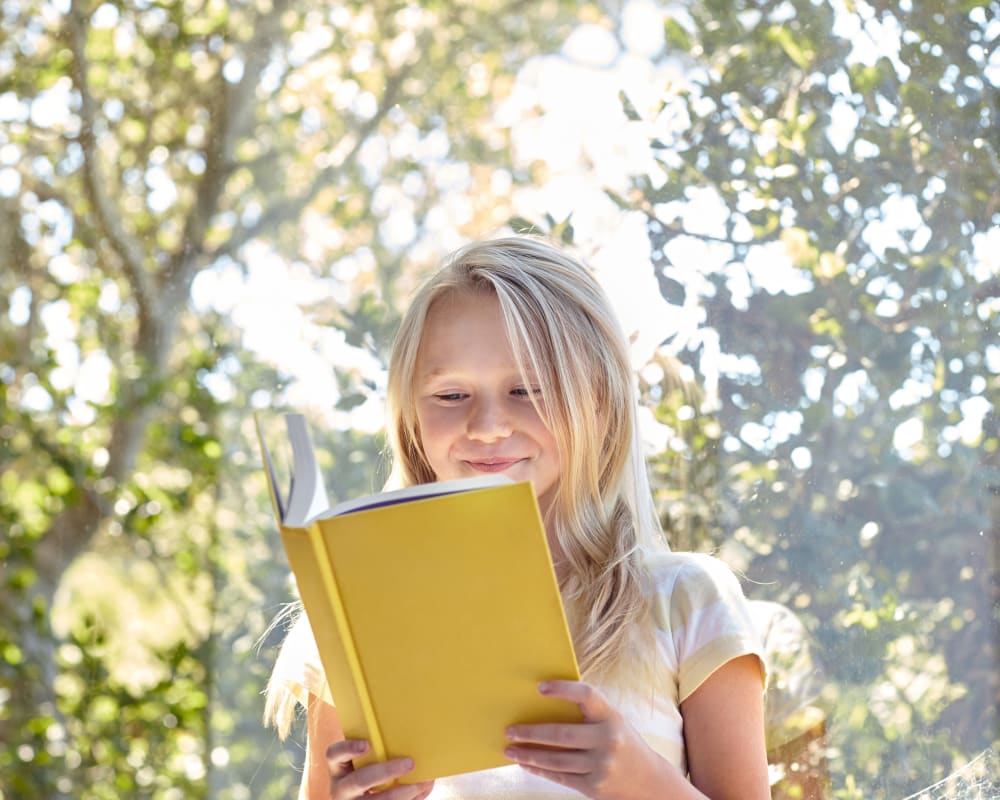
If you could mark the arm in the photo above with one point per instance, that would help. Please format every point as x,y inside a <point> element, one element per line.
<point>322,730</point>
<point>606,759</point>
<point>329,772</point>
<point>724,724</point>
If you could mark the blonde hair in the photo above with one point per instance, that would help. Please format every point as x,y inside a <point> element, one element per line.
<point>564,333</point>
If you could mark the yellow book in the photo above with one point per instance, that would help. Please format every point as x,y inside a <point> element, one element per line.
<point>435,609</point>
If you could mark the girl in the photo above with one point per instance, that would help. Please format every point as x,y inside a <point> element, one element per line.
<point>510,360</point>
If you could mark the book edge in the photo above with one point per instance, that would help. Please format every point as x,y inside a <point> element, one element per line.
<point>419,491</point>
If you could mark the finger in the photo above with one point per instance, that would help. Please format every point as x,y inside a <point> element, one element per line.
<point>566,735</point>
<point>568,779</point>
<point>339,755</point>
<point>574,762</point>
<point>409,791</point>
<point>372,776</point>
<point>428,788</point>
<point>589,699</point>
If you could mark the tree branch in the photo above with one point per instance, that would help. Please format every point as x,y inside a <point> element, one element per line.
<point>276,214</point>
<point>647,209</point>
<point>230,117</point>
<point>125,246</point>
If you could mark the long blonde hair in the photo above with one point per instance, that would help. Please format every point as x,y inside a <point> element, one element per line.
<point>563,332</point>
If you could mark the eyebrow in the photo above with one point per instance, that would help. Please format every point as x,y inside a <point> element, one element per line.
<point>434,372</point>
<point>438,371</point>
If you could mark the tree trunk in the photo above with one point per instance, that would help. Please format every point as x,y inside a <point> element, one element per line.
<point>71,533</point>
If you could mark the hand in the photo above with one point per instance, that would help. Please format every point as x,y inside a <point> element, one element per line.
<point>602,757</point>
<point>348,783</point>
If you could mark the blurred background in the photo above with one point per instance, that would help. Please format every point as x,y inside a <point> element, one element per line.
<point>209,208</point>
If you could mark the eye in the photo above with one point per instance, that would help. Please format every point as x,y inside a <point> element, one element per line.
<point>450,397</point>
<point>526,391</point>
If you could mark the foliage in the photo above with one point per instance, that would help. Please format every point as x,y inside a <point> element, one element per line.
<point>835,210</point>
<point>145,145</point>
<point>832,207</point>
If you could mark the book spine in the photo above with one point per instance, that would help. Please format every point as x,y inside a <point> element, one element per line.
<point>378,751</point>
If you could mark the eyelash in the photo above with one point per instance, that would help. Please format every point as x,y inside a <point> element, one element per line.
<point>454,397</point>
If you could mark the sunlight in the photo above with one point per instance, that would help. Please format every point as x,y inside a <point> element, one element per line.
<point>214,208</point>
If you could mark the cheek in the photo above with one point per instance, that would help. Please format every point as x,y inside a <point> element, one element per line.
<point>540,431</point>
<point>433,431</point>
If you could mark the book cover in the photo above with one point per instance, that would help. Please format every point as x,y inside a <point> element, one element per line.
<point>435,610</point>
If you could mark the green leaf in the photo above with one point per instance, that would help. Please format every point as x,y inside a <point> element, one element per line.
<point>676,36</point>
<point>627,106</point>
<point>786,39</point>
<point>351,400</point>
<point>673,291</point>
<point>11,653</point>
<point>521,225</point>
<point>618,200</point>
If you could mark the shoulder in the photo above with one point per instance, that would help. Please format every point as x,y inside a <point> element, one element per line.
<point>702,616</point>
<point>693,580</point>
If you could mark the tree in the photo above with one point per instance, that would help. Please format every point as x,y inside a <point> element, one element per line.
<point>842,448</point>
<point>145,145</point>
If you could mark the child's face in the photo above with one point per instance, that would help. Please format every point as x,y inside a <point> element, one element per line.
<point>474,410</point>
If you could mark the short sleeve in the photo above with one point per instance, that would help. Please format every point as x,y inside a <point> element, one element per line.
<point>709,621</point>
<point>298,666</point>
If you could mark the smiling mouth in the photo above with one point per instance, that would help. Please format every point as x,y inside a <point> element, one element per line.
<point>493,465</point>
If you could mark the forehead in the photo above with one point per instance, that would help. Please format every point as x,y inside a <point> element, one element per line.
<point>463,328</point>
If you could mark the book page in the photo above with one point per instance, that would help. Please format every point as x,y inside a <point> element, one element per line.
<point>416,492</point>
<point>307,497</point>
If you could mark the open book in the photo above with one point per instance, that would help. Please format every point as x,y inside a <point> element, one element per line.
<point>435,610</point>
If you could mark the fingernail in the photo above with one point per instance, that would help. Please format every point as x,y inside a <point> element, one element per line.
<point>359,747</point>
<point>510,753</point>
<point>544,687</point>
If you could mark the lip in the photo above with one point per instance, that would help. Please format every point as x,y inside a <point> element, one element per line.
<point>492,464</point>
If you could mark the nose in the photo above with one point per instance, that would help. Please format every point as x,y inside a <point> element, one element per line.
<point>488,420</point>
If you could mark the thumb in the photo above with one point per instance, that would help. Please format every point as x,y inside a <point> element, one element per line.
<point>588,699</point>
<point>339,756</point>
